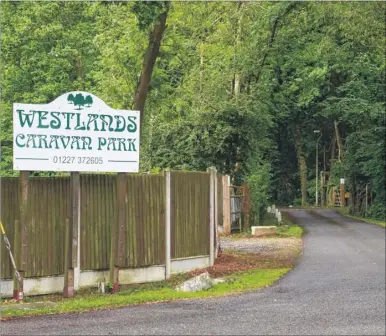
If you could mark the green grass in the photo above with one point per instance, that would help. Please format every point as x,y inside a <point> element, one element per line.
<point>292,230</point>
<point>164,291</point>
<point>288,229</point>
<point>345,213</point>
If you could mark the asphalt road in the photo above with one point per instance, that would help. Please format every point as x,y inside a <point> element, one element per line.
<point>337,288</point>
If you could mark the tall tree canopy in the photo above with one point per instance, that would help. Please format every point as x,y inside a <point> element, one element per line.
<point>237,85</point>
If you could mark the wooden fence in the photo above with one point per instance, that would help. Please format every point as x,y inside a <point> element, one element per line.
<point>98,211</point>
<point>143,240</point>
<point>190,214</point>
<point>47,213</point>
<point>9,209</point>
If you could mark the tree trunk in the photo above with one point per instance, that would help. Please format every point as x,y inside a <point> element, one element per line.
<point>201,64</point>
<point>237,85</point>
<point>80,71</point>
<point>302,165</point>
<point>333,152</point>
<point>338,141</point>
<point>148,64</point>
<point>237,77</point>
<point>275,28</point>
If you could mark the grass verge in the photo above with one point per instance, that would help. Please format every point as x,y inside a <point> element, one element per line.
<point>345,213</point>
<point>286,230</point>
<point>292,230</point>
<point>163,291</point>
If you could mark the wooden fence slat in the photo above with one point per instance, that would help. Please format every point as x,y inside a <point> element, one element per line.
<point>34,234</point>
<point>152,243</point>
<point>101,197</point>
<point>161,209</point>
<point>42,232</point>
<point>130,233</point>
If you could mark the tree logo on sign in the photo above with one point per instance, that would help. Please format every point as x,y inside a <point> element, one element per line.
<point>80,100</point>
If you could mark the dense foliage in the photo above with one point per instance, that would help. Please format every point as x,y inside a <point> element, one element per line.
<point>236,85</point>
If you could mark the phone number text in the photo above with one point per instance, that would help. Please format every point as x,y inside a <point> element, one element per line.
<point>78,159</point>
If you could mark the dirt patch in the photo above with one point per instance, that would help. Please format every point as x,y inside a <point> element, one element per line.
<point>267,246</point>
<point>249,253</point>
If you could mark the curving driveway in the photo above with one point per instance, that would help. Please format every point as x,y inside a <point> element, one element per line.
<point>338,288</point>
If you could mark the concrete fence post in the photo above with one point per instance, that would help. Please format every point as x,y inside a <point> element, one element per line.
<point>211,214</point>
<point>279,218</point>
<point>216,219</point>
<point>167,224</point>
<point>342,193</point>
<point>226,204</point>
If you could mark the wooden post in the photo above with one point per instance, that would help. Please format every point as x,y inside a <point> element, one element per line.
<point>18,256</point>
<point>122,210</point>
<point>114,270</point>
<point>77,267</point>
<point>68,290</point>
<point>226,204</point>
<point>167,225</point>
<point>118,232</point>
<point>20,238</point>
<point>342,193</point>
<point>73,235</point>
<point>24,184</point>
<point>246,208</point>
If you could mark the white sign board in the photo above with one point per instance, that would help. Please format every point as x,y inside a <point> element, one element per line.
<point>75,132</point>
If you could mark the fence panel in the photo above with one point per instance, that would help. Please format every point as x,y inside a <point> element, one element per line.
<point>145,231</point>
<point>9,212</point>
<point>98,212</point>
<point>189,214</point>
<point>46,218</point>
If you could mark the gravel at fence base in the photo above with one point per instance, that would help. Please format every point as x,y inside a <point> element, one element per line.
<point>259,245</point>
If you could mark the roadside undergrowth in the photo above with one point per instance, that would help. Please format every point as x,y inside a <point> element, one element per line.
<point>344,212</point>
<point>162,292</point>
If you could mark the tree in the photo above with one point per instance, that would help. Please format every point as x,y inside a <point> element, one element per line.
<point>152,51</point>
<point>236,85</point>
<point>79,101</point>
<point>88,100</point>
<point>46,49</point>
<point>70,98</point>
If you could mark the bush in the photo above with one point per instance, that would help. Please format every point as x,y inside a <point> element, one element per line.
<point>258,182</point>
